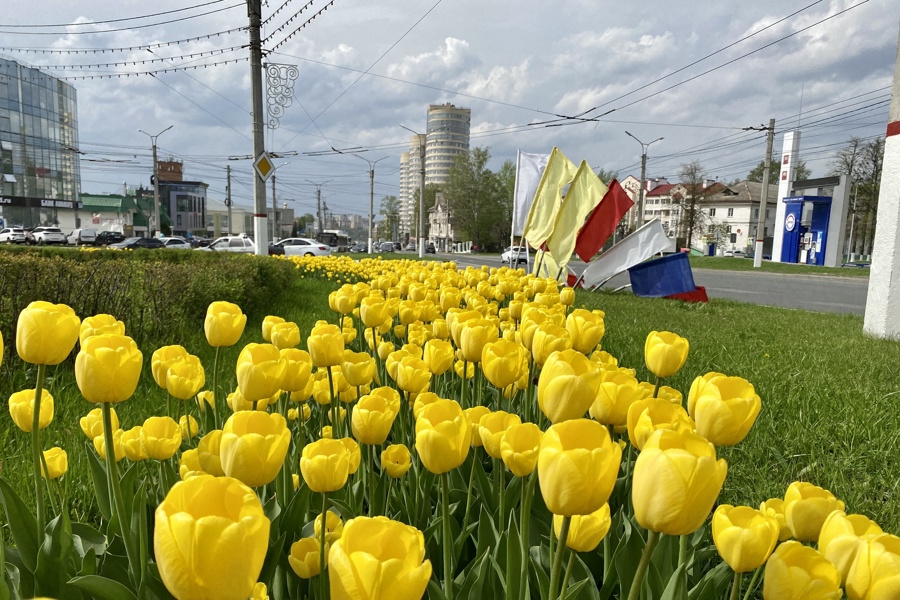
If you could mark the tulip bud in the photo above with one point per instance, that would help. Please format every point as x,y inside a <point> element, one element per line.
<point>21,409</point>
<point>107,368</point>
<point>519,448</point>
<point>131,441</point>
<point>253,446</point>
<point>396,460</point>
<point>491,428</point>
<point>805,508</point>
<point>304,557</point>
<point>358,368</point>
<point>325,465</point>
<point>285,335</point>
<point>665,353</point>
<point>798,572</point>
<point>585,328</point>
<point>744,537</point>
<point>162,359</point>
<point>118,447</point>
<point>185,378</point>
<point>547,339</point>
<point>585,531</point>
<point>443,436</point>
<point>568,386</point>
<point>372,420</point>
<point>326,345</point>
<point>438,356</point>
<point>224,324</point>
<point>160,437</point>
<point>260,371</point>
<point>189,464</point>
<point>57,463</point>
<point>725,410</point>
<point>647,415</point>
<point>334,527</point>
<point>100,324</point>
<point>502,362</point>
<point>841,536</point>
<point>92,423</point>
<point>46,333</point>
<point>875,573</point>
<point>269,322</point>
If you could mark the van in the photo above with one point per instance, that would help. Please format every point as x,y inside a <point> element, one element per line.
<point>81,237</point>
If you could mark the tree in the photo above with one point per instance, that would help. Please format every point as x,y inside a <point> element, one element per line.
<point>301,224</point>
<point>506,188</point>
<point>862,161</point>
<point>475,195</point>
<point>607,176</point>
<point>756,173</point>
<point>390,210</point>
<point>690,216</point>
<point>431,191</point>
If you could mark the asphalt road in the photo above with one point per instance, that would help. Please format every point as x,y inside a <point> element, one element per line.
<point>821,293</point>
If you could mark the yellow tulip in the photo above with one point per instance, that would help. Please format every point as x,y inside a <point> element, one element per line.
<point>334,527</point>
<point>615,397</point>
<point>208,453</point>
<point>260,371</point>
<point>326,345</point>
<point>372,420</point>
<point>268,323</point>
<point>285,335</point>
<point>378,559</point>
<point>408,312</point>
<point>131,442</point>
<point>577,467</point>
<point>744,537</point>
<point>224,324</point>
<point>647,415</point>
<point>676,482</point>
<point>385,349</point>
<point>107,368</point>
<point>474,335</point>
<point>412,375</point>
<point>198,526</point>
<point>92,423</point>
<point>440,330</point>
<point>354,451</point>
<point>568,386</point>
<point>185,378</point>
<point>774,507</point>
<point>567,296</point>
<point>585,531</point>
<point>443,436</point>
<point>474,415</point>
<point>491,428</point>
<point>519,448</point>
<point>665,353</point>
<point>160,437</point>
<point>297,370</point>
<point>841,536</point>
<point>304,557</point>
<point>162,359</point>
<point>358,367</point>
<point>456,318</point>
<point>57,463</point>
<point>725,410</point>
<point>325,465</point>
<point>604,358</point>
<point>341,302</point>
<point>253,446</point>
<point>805,508</point>
<point>373,310</point>
<point>236,402</point>
<point>390,395</point>
<point>670,394</point>
<point>189,426</point>
<point>396,460</point>
<point>798,572</point>
<point>189,464</point>
<point>118,447</point>
<point>586,329</point>
<point>21,409</point>
<point>46,333</point>
<point>99,324</point>
<point>502,362</point>
<point>438,356</point>
<point>549,338</point>
<point>875,574</point>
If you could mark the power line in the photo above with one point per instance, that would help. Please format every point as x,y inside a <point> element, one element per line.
<point>168,12</point>
<point>139,62</point>
<point>305,23</point>
<point>123,49</point>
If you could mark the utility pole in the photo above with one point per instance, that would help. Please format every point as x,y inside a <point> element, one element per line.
<point>254,11</point>
<point>423,138</point>
<point>371,194</point>
<point>228,196</point>
<point>319,203</point>
<point>274,212</point>
<point>764,197</point>
<point>156,216</point>
<point>643,174</point>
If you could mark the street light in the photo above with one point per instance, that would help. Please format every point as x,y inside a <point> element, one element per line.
<point>643,174</point>
<point>371,193</point>
<point>423,138</point>
<point>155,175</point>
<point>274,204</point>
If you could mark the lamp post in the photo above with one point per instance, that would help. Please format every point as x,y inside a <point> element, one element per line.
<point>423,138</point>
<point>274,204</point>
<point>371,193</point>
<point>643,174</point>
<point>156,216</point>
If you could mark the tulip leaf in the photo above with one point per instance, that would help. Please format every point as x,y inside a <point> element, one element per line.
<point>101,485</point>
<point>102,588</point>
<point>86,538</point>
<point>627,555</point>
<point>676,589</point>
<point>53,557</point>
<point>88,561</point>
<point>475,576</point>
<point>513,559</point>
<point>435,592</point>
<point>273,555</point>
<point>713,585</point>
<point>11,582</point>
<point>19,577</point>
<point>542,581</point>
<point>345,510</point>
<point>22,526</point>
<point>573,590</point>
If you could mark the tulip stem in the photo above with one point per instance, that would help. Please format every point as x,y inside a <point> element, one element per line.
<point>448,542</point>
<point>465,384</point>
<point>335,424</point>
<point>49,487</point>
<point>372,511</point>
<point>753,580</point>
<point>469,493</point>
<point>658,384</point>
<point>736,587</point>
<point>323,583</point>
<point>682,550</point>
<point>113,474</point>
<point>36,452</point>
<point>525,515</point>
<point>215,389</point>
<point>558,557</point>
<point>498,465</point>
<point>635,592</point>
<point>565,582</point>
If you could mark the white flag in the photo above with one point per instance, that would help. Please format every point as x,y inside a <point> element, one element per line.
<point>529,168</point>
<point>648,240</point>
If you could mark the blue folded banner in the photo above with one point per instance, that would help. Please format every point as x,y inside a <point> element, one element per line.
<point>662,277</point>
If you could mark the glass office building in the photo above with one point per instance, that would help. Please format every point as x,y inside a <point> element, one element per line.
<point>40,178</point>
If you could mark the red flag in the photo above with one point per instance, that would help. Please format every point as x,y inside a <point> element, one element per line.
<point>603,221</point>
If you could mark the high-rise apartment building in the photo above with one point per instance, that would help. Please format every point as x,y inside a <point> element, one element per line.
<point>446,137</point>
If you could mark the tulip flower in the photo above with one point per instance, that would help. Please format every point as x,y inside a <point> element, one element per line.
<point>57,463</point>
<point>567,296</point>
<point>208,453</point>
<point>519,448</point>
<point>354,453</point>
<point>615,397</point>
<point>585,531</point>
<point>798,572</point>
<point>268,323</point>
<point>725,410</point>
<point>438,356</point>
<point>670,394</point>
<point>568,386</point>
<point>875,573</point>
<point>297,370</point>
<point>474,335</point>
<point>107,368</point>
<point>304,557</point>
<point>46,333</point>
<point>647,415</point>
<point>676,482</point>
<point>99,324</point>
<point>412,375</point>
<point>502,362</point>
<point>131,441</point>
<point>236,402</point>
<point>92,423</point>
<point>456,320</point>
<point>440,330</point>
<point>358,367</point>
<point>197,528</point>
<point>841,536</point>
<point>21,409</point>
<point>373,311</point>
<point>390,395</point>
<point>744,537</point>
<point>492,427</point>
<point>185,378</point>
<point>665,353</point>
<point>325,465</point>
<point>224,324</point>
<point>805,508</point>
<point>160,437</point>
<point>377,558</point>
<point>253,446</point>
<point>334,526</point>
<point>774,507</point>
<point>586,329</point>
<point>372,420</point>
<point>474,415</point>
<point>549,338</point>
<point>326,345</point>
<point>189,426</point>
<point>396,460</point>
<point>285,335</point>
<point>118,447</point>
<point>189,464</point>
<point>443,436</point>
<point>162,359</point>
<point>260,371</point>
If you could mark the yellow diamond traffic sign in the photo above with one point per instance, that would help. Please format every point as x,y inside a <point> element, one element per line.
<point>264,166</point>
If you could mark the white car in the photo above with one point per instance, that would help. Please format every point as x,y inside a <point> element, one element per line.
<point>232,243</point>
<point>176,243</point>
<point>517,254</point>
<point>80,237</point>
<point>48,235</point>
<point>12,235</point>
<point>300,247</point>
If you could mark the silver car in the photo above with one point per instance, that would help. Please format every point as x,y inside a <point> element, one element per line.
<point>232,243</point>
<point>48,235</point>
<point>176,243</point>
<point>12,235</point>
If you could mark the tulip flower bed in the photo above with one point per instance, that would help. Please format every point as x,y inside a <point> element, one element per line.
<point>443,433</point>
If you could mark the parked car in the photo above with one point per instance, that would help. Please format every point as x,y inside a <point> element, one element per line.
<point>105,238</point>
<point>430,249</point>
<point>46,235</point>
<point>12,235</point>
<point>734,253</point>
<point>398,246</point>
<point>386,247</point>
<point>199,242</point>
<point>517,254</point>
<point>177,243</point>
<point>299,247</point>
<point>137,243</point>
<point>359,247</point>
<point>240,244</point>
<point>410,247</point>
<point>80,237</point>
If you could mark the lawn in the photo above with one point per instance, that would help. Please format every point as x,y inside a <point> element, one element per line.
<point>726,263</point>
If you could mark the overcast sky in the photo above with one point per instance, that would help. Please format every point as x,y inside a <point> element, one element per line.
<point>366,68</point>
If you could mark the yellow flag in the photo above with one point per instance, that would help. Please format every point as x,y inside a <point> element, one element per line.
<point>546,267</point>
<point>548,198</point>
<point>585,192</point>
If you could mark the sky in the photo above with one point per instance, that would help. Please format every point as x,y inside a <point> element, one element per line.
<point>693,72</point>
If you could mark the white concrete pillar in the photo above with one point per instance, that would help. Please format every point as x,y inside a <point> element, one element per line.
<point>787,165</point>
<point>883,302</point>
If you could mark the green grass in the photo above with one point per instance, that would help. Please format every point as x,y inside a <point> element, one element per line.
<point>727,263</point>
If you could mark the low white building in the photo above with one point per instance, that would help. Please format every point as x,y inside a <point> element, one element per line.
<point>731,215</point>
<point>440,230</point>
